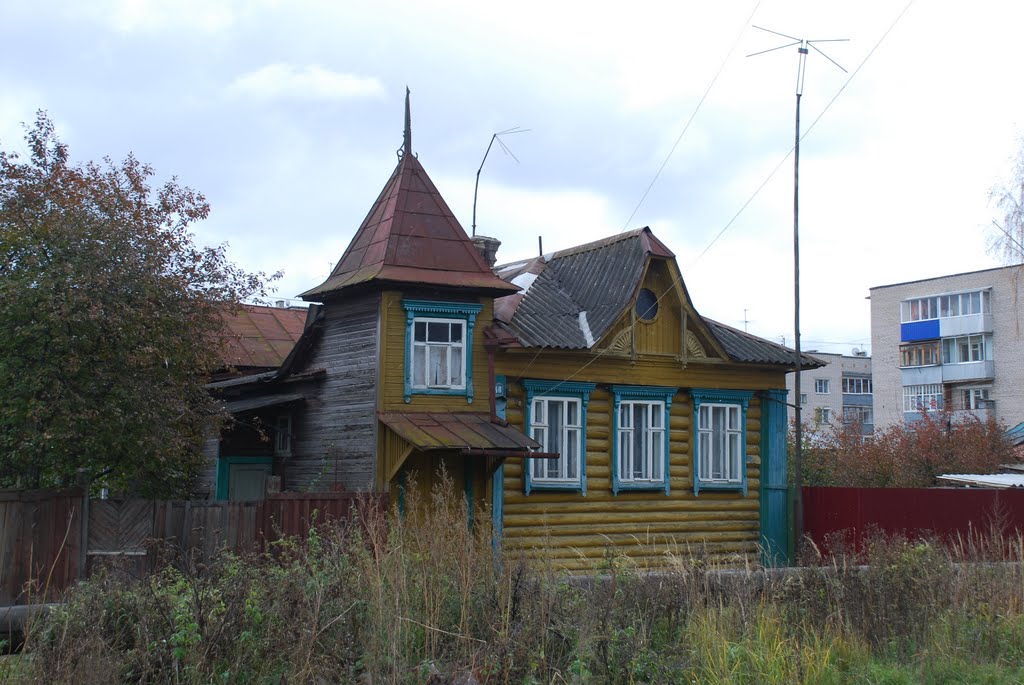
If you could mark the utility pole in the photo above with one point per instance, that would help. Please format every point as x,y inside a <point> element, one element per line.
<point>803,46</point>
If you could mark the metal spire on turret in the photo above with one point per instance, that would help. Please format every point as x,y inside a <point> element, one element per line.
<point>407,137</point>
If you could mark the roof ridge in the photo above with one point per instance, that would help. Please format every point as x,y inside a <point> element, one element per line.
<point>600,243</point>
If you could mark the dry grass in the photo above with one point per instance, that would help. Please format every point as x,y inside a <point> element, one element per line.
<point>425,598</point>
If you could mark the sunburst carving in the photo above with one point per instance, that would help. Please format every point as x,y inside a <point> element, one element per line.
<point>694,348</point>
<point>622,343</point>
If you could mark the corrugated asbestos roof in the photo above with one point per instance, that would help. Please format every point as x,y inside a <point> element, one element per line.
<point>456,431</point>
<point>984,480</point>
<point>261,337</point>
<point>600,280</point>
<point>743,347</point>
<point>411,236</point>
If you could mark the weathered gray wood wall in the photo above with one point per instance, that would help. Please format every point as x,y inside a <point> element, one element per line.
<point>335,430</point>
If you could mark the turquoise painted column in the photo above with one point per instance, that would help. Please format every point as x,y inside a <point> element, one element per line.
<point>498,479</point>
<point>774,510</point>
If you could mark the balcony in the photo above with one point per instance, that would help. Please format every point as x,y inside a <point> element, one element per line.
<point>967,371</point>
<point>969,324</point>
<point>921,375</point>
<point>981,414</point>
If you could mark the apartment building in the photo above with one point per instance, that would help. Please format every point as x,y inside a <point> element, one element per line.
<point>952,342</point>
<point>839,392</point>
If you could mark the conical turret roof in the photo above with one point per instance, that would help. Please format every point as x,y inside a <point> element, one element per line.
<point>411,237</point>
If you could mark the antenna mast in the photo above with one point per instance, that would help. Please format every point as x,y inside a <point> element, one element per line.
<point>803,48</point>
<point>496,137</point>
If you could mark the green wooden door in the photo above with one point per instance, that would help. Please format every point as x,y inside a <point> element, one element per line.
<point>774,504</point>
<point>242,479</point>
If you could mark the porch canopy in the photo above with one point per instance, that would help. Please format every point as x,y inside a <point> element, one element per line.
<point>468,434</point>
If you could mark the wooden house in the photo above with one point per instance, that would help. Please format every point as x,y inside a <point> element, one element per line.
<point>578,398</point>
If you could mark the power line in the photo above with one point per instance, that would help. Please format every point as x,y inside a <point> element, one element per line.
<point>804,135</point>
<point>693,115</point>
<point>678,280</point>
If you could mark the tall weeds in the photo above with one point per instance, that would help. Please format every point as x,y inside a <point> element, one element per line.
<point>425,597</point>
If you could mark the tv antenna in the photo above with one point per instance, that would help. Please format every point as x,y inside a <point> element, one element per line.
<point>496,137</point>
<point>804,46</point>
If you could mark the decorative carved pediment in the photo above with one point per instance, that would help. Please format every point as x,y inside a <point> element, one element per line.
<point>694,349</point>
<point>623,342</point>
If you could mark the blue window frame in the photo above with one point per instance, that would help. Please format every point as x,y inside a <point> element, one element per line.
<point>720,452</point>
<point>556,417</point>
<point>439,348</point>
<point>640,437</point>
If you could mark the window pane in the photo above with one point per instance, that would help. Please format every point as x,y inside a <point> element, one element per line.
<point>704,462</point>
<point>734,456</point>
<point>975,303</point>
<point>420,331</point>
<point>539,415</point>
<point>572,454</point>
<point>419,365</point>
<point>625,416</point>
<point>657,416</point>
<point>572,413</point>
<point>456,332</point>
<point>555,421</point>
<point>639,437</point>
<point>437,331</point>
<point>657,454</point>
<point>438,369</point>
<point>457,378</point>
<point>717,456</point>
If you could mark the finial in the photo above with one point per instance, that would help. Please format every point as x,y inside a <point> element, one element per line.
<point>407,139</point>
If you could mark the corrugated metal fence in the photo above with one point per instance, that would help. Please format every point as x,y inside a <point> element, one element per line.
<point>851,514</point>
<point>44,548</point>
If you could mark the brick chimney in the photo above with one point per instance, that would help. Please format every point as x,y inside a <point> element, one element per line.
<point>488,248</point>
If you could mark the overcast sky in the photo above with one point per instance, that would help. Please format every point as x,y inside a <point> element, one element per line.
<point>287,115</point>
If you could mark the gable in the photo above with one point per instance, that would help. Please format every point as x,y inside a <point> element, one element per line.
<point>660,320</point>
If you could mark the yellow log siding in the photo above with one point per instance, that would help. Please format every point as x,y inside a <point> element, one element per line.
<point>579,532</point>
<point>392,361</point>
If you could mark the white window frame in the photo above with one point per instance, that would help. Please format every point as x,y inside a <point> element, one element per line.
<point>922,398</point>
<point>653,457</point>
<point>821,386</point>
<point>570,434</point>
<point>856,385</point>
<point>733,439</point>
<point>861,414</point>
<point>456,376</point>
<point>544,391</point>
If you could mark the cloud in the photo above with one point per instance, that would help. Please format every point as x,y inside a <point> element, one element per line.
<point>313,82</point>
<point>156,15</point>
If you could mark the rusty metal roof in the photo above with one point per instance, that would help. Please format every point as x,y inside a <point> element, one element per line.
<point>411,236</point>
<point>743,347</point>
<point>260,337</point>
<point>457,431</point>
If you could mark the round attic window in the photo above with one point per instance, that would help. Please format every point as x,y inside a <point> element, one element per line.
<point>646,305</point>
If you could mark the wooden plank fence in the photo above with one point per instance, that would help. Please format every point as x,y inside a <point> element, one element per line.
<point>43,544</point>
<point>40,543</point>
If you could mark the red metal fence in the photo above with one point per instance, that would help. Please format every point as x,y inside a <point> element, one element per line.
<point>948,513</point>
<point>44,547</point>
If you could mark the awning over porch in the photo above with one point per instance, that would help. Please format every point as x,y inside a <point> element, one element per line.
<point>250,403</point>
<point>468,433</point>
